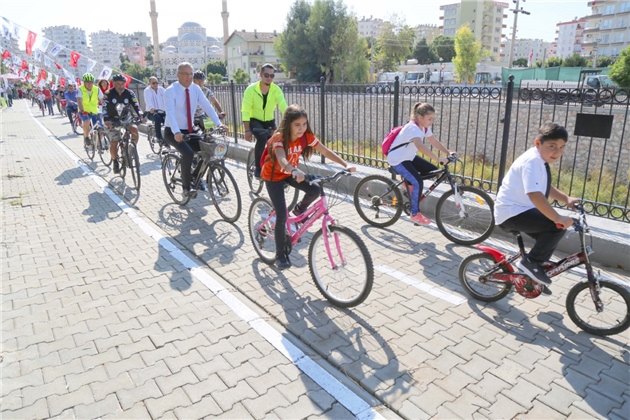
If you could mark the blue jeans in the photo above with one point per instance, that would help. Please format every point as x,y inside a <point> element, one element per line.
<point>411,171</point>
<point>49,105</point>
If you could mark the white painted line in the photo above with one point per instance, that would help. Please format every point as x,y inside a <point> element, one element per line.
<point>352,402</point>
<point>425,287</point>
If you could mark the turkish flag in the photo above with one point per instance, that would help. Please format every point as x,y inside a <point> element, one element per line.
<point>24,65</point>
<point>43,74</point>
<point>74,59</point>
<point>30,41</point>
<point>78,81</point>
<point>58,65</point>
<point>129,78</point>
<point>6,54</point>
<point>62,81</point>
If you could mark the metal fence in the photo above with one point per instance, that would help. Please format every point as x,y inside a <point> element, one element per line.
<point>488,126</point>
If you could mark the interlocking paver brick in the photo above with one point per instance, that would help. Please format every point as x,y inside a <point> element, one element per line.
<point>114,369</point>
<point>96,374</point>
<point>204,408</point>
<point>168,383</point>
<point>37,410</point>
<point>144,344</point>
<point>158,406</point>
<point>175,364</point>
<point>227,398</point>
<point>59,403</point>
<point>455,382</point>
<point>598,404</point>
<point>107,406</point>
<point>262,405</point>
<point>198,390</point>
<point>265,381</point>
<point>130,397</point>
<point>109,356</point>
<point>237,412</point>
<point>138,411</point>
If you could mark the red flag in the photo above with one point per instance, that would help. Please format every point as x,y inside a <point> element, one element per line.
<point>6,54</point>
<point>74,59</point>
<point>30,41</point>
<point>78,82</point>
<point>24,65</point>
<point>58,65</point>
<point>62,81</point>
<point>129,78</point>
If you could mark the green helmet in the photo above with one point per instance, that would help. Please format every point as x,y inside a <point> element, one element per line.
<point>88,77</point>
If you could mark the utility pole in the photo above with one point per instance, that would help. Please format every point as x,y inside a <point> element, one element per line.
<point>516,11</point>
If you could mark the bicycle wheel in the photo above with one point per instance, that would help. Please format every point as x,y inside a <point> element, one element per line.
<point>261,229</point>
<point>123,158</point>
<point>224,192</point>
<point>341,266</point>
<point>172,177</point>
<point>76,124</point>
<point>155,146</point>
<point>378,201</point>
<point>103,149</point>
<point>255,185</point>
<point>133,161</point>
<point>477,221</point>
<point>472,273</point>
<point>91,149</point>
<point>615,314</point>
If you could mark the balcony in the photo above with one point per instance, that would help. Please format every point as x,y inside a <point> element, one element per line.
<point>441,17</point>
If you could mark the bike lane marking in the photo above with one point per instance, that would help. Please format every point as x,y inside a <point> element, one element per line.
<point>351,401</point>
<point>425,287</point>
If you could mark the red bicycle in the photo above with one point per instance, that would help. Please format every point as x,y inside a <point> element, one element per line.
<point>597,306</point>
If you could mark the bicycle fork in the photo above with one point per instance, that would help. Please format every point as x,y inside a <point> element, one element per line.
<point>328,234</point>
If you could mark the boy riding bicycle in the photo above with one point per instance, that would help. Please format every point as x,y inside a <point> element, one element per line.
<point>522,202</point>
<point>281,166</point>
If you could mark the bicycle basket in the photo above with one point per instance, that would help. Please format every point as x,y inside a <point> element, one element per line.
<point>213,150</point>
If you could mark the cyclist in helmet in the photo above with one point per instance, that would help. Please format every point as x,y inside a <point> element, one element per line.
<point>88,98</point>
<point>199,78</point>
<point>119,95</point>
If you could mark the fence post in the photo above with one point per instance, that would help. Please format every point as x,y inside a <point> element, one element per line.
<point>322,112</point>
<point>506,130</point>
<point>232,90</point>
<point>396,96</point>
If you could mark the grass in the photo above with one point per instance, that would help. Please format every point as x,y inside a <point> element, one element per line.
<point>577,184</point>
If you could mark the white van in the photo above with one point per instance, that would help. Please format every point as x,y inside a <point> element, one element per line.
<point>447,77</point>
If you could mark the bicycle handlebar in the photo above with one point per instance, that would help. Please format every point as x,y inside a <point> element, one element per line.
<point>318,179</point>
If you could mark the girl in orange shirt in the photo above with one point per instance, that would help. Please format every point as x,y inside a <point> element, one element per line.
<point>281,167</point>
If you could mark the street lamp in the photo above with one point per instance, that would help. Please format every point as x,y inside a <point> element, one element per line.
<point>442,67</point>
<point>516,11</point>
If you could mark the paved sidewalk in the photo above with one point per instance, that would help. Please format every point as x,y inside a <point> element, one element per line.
<point>97,318</point>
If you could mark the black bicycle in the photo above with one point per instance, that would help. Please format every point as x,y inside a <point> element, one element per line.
<point>464,214</point>
<point>127,150</point>
<point>256,184</point>
<point>156,145</point>
<point>221,184</point>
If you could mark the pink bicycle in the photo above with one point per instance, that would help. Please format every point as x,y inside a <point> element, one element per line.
<point>339,261</point>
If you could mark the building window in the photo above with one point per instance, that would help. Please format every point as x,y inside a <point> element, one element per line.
<point>606,24</point>
<point>622,22</point>
<point>605,39</point>
<point>624,7</point>
<point>609,9</point>
<point>498,20</point>
<point>495,49</point>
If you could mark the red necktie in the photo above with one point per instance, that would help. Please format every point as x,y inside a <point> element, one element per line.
<point>190,127</point>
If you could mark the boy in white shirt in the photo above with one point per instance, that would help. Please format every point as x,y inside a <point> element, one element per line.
<point>522,202</point>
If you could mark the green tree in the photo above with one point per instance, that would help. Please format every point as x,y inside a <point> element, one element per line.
<point>602,61</point>
<point>293,45</point>
<point>520,62</point>
<point>214,78</point>
<point>422,53</point>
<point>240,76</point>
<point>554,62</point>
<point>216,66</point>
<point>467,54</point>
<point>149,55</point>
<point>537,64</point>
<point>576,60</point>
<point>394,45</point>
<point>444,47</point>
<point>620,72</point>
<point>139,72</point>
<point>350,64</point>
<point>124,62</point>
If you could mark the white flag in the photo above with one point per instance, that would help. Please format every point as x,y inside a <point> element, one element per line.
<point>17,60</point>
<point>47,62</point>
<point>105,73</point>
<point>49,78</point>
<point>43,44</point>
<point>6,31</point>
<point>37,54</point>
<point>90,65</point>
<point>68,74</point>
<point>56,49</point>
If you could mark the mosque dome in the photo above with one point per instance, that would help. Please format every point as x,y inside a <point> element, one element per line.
<point>191,36</point>
<point>191,25</point>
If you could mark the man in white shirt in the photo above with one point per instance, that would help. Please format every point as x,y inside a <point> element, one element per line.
<point>155,107</point>
<point>181,99</point>
<point>522,202</point>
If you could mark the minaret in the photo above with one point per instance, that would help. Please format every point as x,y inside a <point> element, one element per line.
<point>226,33</point>
<point>156,41</point>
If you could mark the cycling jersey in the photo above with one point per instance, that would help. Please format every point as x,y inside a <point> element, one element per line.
<point>113,98</point>
<point>254,106</point>
<point>89,99</point>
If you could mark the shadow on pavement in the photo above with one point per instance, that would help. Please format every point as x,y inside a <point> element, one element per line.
<point>97,212</point>
<point>69,175</point>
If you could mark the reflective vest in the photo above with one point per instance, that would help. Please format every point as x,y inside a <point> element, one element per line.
<point>90,99</point>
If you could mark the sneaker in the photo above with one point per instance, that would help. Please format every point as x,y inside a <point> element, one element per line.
<point>189,192</point>
<point>546,291</point>
<point>203,186</point>
<point>87,142</point>
<point>419,219</point>
<point>534,271</point>
<point>297,210</point>
<point>282,262</point>
<point>257,173</point>
<point>116,166</point>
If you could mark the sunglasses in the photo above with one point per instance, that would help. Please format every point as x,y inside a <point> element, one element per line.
<point>154,83</point>
<point>269,75</point>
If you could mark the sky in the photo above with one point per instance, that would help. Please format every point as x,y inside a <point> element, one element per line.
<point>262,15</point>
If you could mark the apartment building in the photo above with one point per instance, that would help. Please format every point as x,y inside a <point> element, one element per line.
<point>523,48</point>
<point>136,39</point>
<point>249,50</point>
<point>428,31</point>
<point>107,47</point>
<point>72,39</point>
<point>485,18</point>
<point>569,37</point>
<point>607,29</point>
<point>369,27</point>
